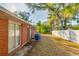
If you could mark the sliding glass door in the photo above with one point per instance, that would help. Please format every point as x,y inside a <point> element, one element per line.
<point>11,37</point>
<point>14,36</point>
<point>17,35</point>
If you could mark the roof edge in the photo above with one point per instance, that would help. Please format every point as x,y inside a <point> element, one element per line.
<point>10,13</point>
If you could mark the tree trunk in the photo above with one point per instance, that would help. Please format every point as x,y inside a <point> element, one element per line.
<point>65,24</point>
<point>61,24</point>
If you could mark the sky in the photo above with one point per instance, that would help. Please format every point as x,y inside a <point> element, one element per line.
<point>38,15</point>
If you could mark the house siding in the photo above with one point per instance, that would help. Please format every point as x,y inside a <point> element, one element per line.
<point>5,17</point>
<point>24,33</point>
<point>3,37</point>
<point>25,36</point>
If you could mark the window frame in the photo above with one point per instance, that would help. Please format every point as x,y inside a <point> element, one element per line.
<point>15,23</point>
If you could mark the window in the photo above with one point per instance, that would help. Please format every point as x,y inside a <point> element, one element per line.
<point>17,35</point>
<point>30,33</point>
<point>11,37</point>
<point>14,36</point>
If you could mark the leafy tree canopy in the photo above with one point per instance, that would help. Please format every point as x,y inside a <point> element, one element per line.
<point>59,13</point>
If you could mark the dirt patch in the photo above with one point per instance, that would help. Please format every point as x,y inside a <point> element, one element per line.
<point>54,46</point>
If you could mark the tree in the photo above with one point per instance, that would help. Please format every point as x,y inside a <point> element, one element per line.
<point>42,27</point>
<point>23,14</point>
<point>64,12</point>
<point>38,26</point>
<point>59,14</point>
<point>76,18</point>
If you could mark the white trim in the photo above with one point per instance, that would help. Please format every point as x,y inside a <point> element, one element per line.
<point>12,22</point>
<point>13,15</point>
<point>13,49</point>
<point>25,42</point>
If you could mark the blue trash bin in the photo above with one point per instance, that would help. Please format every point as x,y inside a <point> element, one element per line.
<point>37,37</point>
